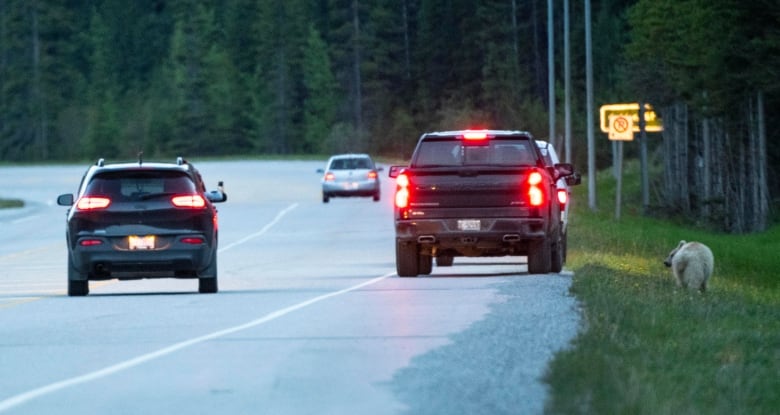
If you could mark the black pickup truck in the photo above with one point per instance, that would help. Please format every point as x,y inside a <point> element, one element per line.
<point>477,193</point>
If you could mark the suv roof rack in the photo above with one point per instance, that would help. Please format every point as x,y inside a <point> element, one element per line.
<point>101,162</point>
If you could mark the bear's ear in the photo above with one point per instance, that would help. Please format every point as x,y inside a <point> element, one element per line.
<point>681,244</point>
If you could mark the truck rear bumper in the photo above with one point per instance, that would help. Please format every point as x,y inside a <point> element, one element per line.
<point>495,236</point>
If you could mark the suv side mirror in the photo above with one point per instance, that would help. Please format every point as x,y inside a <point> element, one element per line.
<point>219,195</point>
<point>65,200</point>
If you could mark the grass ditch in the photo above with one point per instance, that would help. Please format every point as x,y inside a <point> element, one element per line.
<point>11,203</point>
<point>649,347</point>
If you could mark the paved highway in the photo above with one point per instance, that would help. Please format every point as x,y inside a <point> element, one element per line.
<point>310,317</point>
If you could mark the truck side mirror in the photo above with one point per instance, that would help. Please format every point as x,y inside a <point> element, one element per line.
<point>394,171</point>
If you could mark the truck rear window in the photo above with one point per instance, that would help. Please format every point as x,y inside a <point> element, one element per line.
<point>444,153</point>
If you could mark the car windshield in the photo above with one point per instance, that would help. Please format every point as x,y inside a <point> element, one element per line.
<point>350,163</point>
<point>443,153</point>
<point>140,185</point>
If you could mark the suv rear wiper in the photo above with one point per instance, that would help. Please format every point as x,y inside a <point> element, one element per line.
<point>147,196</point>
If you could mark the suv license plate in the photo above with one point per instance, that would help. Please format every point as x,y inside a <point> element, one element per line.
<point>140,242</point>
<point>468,224</point>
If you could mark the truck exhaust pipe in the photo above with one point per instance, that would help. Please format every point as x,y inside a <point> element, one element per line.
<point>512,237</point>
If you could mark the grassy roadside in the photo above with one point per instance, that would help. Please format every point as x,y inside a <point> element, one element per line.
<point>650,348</point>
<point>10,203</point>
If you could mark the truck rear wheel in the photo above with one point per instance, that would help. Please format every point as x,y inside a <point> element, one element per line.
<point>556,257</point>
<point>444,260</point>
<point>406,259</point>
<point>539,258</point>
<point>424,264</point>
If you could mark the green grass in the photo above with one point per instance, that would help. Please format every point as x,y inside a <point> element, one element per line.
<point>10,203</point>
<point>649,347</point>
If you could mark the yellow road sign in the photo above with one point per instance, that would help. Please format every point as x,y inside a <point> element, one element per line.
<point>621,127</point>
<point>653,122</point>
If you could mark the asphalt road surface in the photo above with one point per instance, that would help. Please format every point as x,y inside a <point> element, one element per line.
<point>310,317</point>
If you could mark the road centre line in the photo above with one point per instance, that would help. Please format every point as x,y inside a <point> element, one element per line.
<point>261,231</point>
<point>21,398</point>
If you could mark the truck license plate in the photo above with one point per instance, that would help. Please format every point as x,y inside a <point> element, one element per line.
<point>140,242</point>
<point>468,224</point>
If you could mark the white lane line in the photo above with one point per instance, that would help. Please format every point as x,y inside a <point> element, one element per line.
<point>25,219</point>
<point>21,398</point>
<point>261,231</point>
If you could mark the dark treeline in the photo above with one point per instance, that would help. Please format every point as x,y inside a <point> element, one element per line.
<point>81,79</point>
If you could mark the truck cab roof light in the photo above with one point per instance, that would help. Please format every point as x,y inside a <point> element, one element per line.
<point>475,135</point>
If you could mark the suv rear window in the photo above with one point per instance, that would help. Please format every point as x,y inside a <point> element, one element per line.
<point>442,153</point>
<point>139,184</point>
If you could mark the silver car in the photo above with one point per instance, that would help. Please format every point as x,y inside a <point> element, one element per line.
<point>350,175</point>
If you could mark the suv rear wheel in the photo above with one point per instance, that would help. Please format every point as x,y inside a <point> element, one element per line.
<point>207,281</point>
<point>76,286</point>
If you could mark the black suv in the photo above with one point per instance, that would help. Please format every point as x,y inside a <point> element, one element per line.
<point>141,220</point>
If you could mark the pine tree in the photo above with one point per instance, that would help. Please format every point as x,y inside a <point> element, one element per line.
<point>320,94</point>
<point>102,138</point>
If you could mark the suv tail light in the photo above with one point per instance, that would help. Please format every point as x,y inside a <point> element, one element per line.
<point>193,240</point>
<point>93,203</point>
<point>189,201</point>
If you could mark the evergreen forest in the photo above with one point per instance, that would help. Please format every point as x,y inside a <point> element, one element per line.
<point>82,79</point>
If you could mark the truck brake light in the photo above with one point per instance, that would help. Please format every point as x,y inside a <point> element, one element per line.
<point>534,178</point>
<point>535,193</point>
<point>535,196</point>
<point>402,191</point>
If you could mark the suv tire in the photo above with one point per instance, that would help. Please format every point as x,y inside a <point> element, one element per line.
<point>207,281</point>
<point>77,287</point>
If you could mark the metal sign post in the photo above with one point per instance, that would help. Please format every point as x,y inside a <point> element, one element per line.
<point>621,121</point>
<point>621,128</point>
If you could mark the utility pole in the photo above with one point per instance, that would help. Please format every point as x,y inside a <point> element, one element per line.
<point>643,159</point>
<point>551,70</point>
<point>567,80</point>
<point>589,110</point>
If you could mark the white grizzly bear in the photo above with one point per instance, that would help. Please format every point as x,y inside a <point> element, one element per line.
<point>692,264</point>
